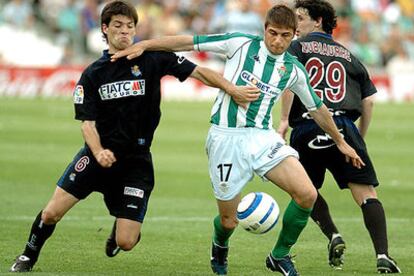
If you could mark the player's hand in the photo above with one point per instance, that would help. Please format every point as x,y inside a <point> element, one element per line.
<point>131,52</point>
<point>283,128</point>
<point>105,158</point>
<point>243,95</point>
<point>351,155</point>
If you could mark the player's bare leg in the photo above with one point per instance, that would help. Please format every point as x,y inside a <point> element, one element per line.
<point>124,236</point>
<point>290,176</point>
<point>224,225</point>
<point>374,218</point>
<point>43,227</point>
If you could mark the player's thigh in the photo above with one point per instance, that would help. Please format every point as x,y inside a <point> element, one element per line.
<point>291,177</point>
<point>229,162</point>
<point>362,192</point>
<point>129,188</point>
<point>82,175</point>
<point>58,205</point>
<point>344,172</point>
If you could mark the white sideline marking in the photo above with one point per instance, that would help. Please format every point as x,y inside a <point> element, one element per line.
<point>176,219</point>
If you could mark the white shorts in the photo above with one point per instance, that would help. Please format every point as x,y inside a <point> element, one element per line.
<point>234,154</point>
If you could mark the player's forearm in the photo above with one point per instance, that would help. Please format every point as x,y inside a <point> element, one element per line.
<point>212,78</point>
<point>323,118</point>
<point>91,137</point>
<point>287,99</point>
<point>169,43</point>
<point>365,119</point>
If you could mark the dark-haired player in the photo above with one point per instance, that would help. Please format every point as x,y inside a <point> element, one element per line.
<point>343,84</point>
<point>119,106</point>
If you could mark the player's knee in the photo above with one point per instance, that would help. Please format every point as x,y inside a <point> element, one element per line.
<point>50,216</point>
<point>307,198</point>
<point>229,222</point>
<point>126,244</point>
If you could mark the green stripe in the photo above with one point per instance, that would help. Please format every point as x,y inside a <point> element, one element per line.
<point>247,66</point>
<point>255,106</point>
<point>282,85</point>
<point>215,119</point>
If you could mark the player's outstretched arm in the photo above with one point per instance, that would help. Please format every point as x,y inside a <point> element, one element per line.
<point>242,95</point>
<point>177,43</point>
<point>324,119</point>
<point>286,101</point>
<point>104,157</point>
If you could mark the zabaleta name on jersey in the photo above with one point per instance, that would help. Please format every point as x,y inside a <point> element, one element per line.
<point>120,89</point>
<point>249,62</point>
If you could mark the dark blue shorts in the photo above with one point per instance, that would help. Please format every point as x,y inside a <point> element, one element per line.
<point>317,153</point>
<point>126,186</point>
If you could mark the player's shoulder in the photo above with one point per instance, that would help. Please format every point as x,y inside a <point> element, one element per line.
<point>293,61</point>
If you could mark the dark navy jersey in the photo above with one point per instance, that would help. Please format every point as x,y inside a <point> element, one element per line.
<point>123,97</point>
<point>338,77</point>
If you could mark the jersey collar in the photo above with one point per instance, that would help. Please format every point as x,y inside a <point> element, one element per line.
<point>325,35</point>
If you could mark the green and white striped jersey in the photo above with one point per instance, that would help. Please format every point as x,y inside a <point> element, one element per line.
<point>250,62</point>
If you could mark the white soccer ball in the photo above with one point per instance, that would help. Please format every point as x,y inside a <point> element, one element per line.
<point>258,212</point>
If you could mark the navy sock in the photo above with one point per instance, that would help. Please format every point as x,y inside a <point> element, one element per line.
<point>39,233</point>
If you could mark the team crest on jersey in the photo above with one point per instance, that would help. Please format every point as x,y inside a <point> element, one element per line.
<point>135,71</point>
<point>265,88</point>
<point>281,70</point>
<point>78,94</point>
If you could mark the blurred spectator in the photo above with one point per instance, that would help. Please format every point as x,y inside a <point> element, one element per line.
<point>149,15</point>
<point>400,69</point>
<point>240,18</point>
<point>18,13</point>
<point>89,21</point>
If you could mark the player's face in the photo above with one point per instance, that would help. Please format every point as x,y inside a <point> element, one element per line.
<point>120,32</point>
<point>277,39</point>
<point>306,24</point>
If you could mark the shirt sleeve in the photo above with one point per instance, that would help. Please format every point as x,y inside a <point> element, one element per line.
<point>302,88</point>
<point>177,66</point>
<point>85,98</point>
<point>367,86</point>
<point>226,44</point>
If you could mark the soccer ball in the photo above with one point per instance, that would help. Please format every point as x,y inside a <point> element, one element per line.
<point>257,212</point>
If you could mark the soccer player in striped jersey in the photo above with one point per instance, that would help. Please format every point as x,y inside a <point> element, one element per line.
<point>242,141</point>
<point>344,85</point>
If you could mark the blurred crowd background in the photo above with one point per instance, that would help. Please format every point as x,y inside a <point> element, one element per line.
<point>62,32</point>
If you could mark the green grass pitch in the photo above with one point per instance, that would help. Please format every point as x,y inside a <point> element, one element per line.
<point>38,137</point>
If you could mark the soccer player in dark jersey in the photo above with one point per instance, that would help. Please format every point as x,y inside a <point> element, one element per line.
<point>344,85</point>
<point>119,106</point>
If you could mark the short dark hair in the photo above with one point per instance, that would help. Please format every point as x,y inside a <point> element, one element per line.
<point>118,7</point>
<point>320,8</point>
<point>281,15</point>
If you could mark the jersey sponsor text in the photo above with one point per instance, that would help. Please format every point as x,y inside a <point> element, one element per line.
<point>264,87</point>
<point>121,89</point>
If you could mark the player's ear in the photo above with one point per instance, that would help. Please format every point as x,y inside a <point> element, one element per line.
<point>104,28</point>
<point>319,22</point>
